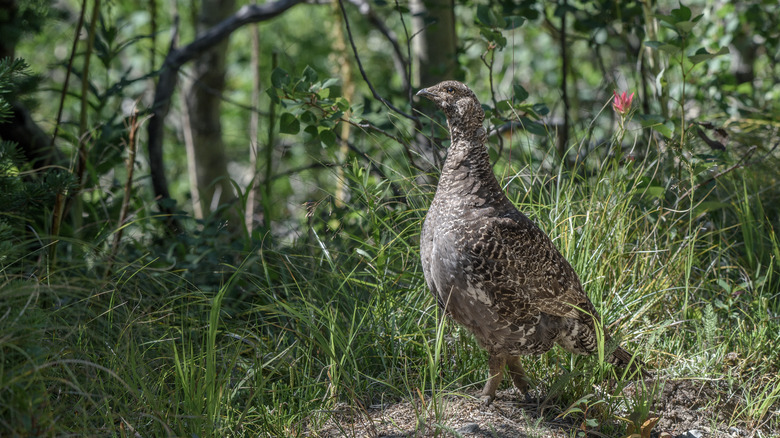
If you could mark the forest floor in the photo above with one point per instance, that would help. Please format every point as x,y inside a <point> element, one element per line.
<point>684,409</point>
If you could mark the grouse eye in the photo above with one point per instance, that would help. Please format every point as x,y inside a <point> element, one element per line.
<point>450,90</point>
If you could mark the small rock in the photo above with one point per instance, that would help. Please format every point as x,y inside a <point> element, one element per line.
<point>693,433</point>
<point>734,431</point>
<point>469,428</point>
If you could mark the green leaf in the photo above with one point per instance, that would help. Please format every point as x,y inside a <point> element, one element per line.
<point>709,206</point>
<point>328,137</point>
<point>483,15</point>
<point>334,116</point>
<point>513,22</point>
<point>684,27</point>
<point>308,117</point>
<point>654,192</point>
<point>280,78</point>
<point>683,13</point>
<point>702,55</point>
<point>312,131</point>
<point>657,122</point>
<point>663,46</point>
<point>703,168</point>
<point>289,124</point>
<point>342,104</point>
<point>503,105</point>
<point>488,17</point>
<point>271,92</point>
<point>541,109</point>
<point>649,188</point>
<point>533,127</point>
<point>330,82</point>
<point>309,75</point>
<point>679,20</point>
<point>669,48</point>
<point>648,120</point>
<point>493,36</point>
<point>666,129</point>
<point>666,19</point>
<point>520,93</point>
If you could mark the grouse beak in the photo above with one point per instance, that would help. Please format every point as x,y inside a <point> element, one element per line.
<point>425,93</point>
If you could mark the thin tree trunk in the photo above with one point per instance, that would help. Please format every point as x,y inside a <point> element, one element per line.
<point>435,42</point>
<point>563,134</point>
<point>347,92</point>
<point>253,191</point>
<point>204,99</point>
<point>192,161</point>
<point>269,158</point>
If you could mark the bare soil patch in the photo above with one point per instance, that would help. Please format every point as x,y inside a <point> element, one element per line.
<point>687,409</point>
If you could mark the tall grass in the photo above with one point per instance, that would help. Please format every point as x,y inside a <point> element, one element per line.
<point>339,321</point>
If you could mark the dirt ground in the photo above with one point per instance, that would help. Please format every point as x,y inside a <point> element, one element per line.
<point>686,408</point>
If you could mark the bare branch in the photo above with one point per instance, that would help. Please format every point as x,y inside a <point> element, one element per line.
<point>363,71</point>
<point>167,80</point>
<point>398,58</point>
<point>206,40</point>
<point>369,127</point>
<point>513,125</point>
<point>293,171</point>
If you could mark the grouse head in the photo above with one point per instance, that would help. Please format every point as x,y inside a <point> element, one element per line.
<point>458,102</point>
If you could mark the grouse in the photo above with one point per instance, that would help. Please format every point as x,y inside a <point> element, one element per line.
<point>489,266</point>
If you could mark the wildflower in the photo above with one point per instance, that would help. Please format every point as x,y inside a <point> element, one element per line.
<point>622,103</point>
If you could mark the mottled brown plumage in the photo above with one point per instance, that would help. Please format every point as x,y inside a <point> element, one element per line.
<point>490,267</point>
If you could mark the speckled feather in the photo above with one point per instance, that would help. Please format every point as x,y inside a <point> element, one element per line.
<point>489,266</point>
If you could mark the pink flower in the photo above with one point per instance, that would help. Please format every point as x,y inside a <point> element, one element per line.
<point>622,103</point>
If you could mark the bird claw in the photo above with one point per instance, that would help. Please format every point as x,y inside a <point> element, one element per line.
<point>487,400</point>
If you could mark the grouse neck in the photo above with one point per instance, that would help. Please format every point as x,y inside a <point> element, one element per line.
<point>467,149</point>
<point>470,133</point>
<point>467,172</point>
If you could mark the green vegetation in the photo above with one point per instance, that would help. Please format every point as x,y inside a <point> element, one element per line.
<point>113,322</point>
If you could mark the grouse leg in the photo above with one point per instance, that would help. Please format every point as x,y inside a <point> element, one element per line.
<point>623,359</point>
<point>517,373</point>
<point>496,364</point>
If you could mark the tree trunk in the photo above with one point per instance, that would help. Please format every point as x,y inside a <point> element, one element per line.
<point>435,43</point>
<point>434,58</point>
<point>206,153</point>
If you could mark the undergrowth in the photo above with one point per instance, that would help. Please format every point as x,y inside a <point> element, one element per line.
<point>339,321</point>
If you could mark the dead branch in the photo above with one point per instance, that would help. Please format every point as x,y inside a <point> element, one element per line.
<point>376,94</point>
